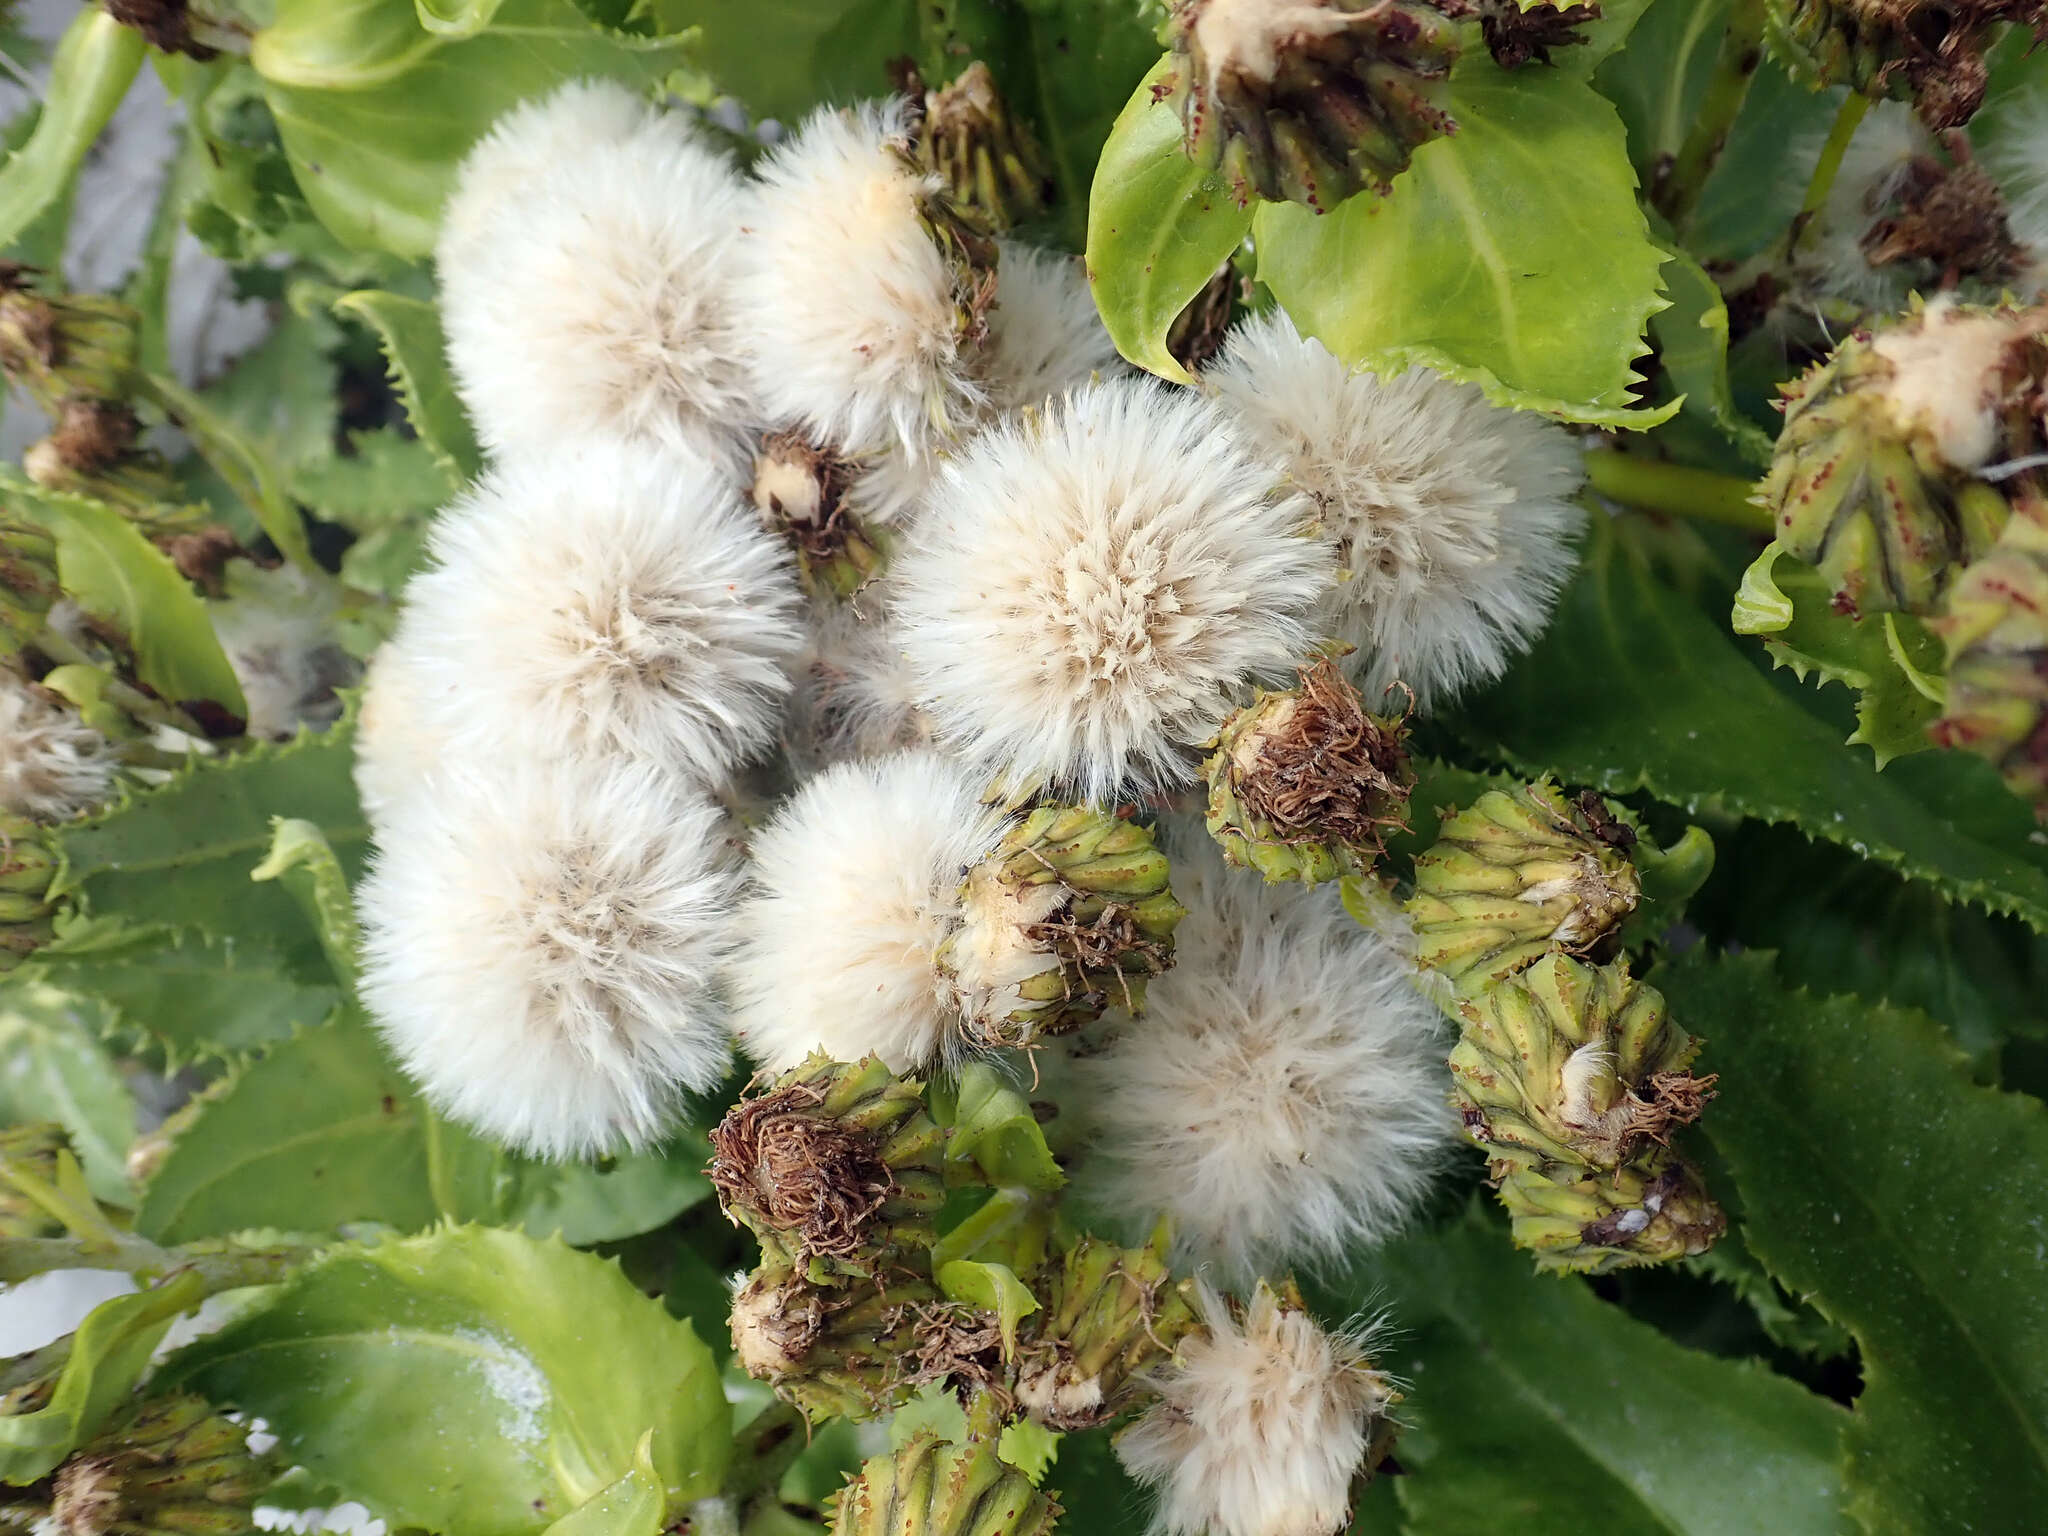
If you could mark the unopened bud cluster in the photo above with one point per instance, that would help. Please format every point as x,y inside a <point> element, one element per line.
<point>1930,52</point>
<point>1567,1073</point>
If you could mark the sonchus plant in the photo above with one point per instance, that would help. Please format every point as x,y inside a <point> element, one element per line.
<point>947,770</point>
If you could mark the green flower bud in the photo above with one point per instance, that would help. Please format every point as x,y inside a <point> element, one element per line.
<point>1873,481</point>
<point>28,865</point>
<point>934,1487</point>
<point>58,347</point>
<point>1996,634</point>
<point>1305,785</point>
<point>1309,101</point>
<point>1068,915</point>
<point>837,1169</point>
<point>801,493</point>
<point>1928,51</point>
<point>1517,875</point>
<point>1650,1211</point>
<point>989,159</point>
<point>31,1150</point>
<point>175,1468</point>
<point>1108,1313</point>
<point>835,1353</point>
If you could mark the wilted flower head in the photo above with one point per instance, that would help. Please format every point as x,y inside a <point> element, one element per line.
<point>856,885</point>
<point>1091,587</point>
<point>540,947</point>
<point>277,630</point>
<point>1261,1423</point>
<point>596,293</point>
<point>1283,1099</point>
<point>1451,519</point>
<point>53,766</point>
<point>862,317</point>
<point>616,599</point>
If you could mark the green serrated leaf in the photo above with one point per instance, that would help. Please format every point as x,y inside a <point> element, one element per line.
<point>1692,346</point>
<point>1158,227</point>
<point>585,1205</point>
<point>1476,263</point>
<point>302,861</point>
<point>783,57</point>
<point>1531,1399</point>
<point>319,1131</point>
<point>516,1390</point>
<point>108,1355</point>
<point>994,1132</point>
<point>96,63</point>
<point>116,575</point>
<point>244,464</point>
<point>180,856</point>
<point>191,995</point>
<point>632,1506</point>
<point>992,1287</point>
<point>1905,1202</point>
<point>1892,662</point>
<point>1633,688</point>
<point>384,480</point>
<point>410,332</point>
<point>339,73</point>
<point>53,1067</point>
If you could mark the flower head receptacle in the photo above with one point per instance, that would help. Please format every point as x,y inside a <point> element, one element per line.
<point>1110,1314</point>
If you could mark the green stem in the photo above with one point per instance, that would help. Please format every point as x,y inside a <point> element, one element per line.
<point>984,1417</point>
<point>223,1269</point>
<point>1659,487</point>
<point>764,1450</point>
<point>1847,119</point>
<point>1678,193</point>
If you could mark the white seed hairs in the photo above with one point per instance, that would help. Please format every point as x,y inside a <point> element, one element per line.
<point>1045,336</point>
<point>1283,1099</point>
<point>1260,1424</point>
<point>850,311</point>
<point>540,945</point>
<point>855,885</point>
<point>1092,587</point>
<point>616,599</point>
<point>596,295</point>
<point>1450,518</point>
<point>277,631</point>
<point>53,766</point>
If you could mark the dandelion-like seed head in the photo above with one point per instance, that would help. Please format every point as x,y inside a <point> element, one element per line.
<point>1045,335</point>
<point>1091,587</point>
<point>1451,518</point>
<point>53,766</point>
<point>541,942</point>
<point>1261,1423</point>
<point>618,599</point>
<point>855,887</point>
<point>1283,1099</point>
<point>598,295</point>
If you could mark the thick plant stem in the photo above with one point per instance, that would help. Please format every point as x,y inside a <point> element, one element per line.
<point>1742,50</point>
<point>223,1268</point>
<point>1656,486</point>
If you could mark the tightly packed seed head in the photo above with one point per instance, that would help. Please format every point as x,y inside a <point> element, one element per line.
<point>1309,100</point>
<point>1092,587</point>
<point>1572,1079</point>
<point>1873,481</point>
<point>1283,1101</point>
<point>1069,914</point>
<point>174,1467</point>
<point>802,492</point>
<point>1305,785</point>
<point>1517,875</point>
<point>1995,629</point>
<point>1264,1421</point>
<point>1931,51</point>
<point>1107,1316</point>
<point>989,159</point>
<point>835,1352</point>
<point>28,865</point>
<point>836,1169</point>
<point>932,1487</point>
<point>1450,522</point>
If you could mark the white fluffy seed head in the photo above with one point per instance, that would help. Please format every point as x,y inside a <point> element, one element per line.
<point>277,631</point>
<point>597,295</point>
<point>1260,1425</point>
<point>1451,518</point>
<point>849,310</point>
<point>854,695</point>
<point>2017,156</point>
<point>541,942</point>
<point>1283,1099</point>
<point>1045,335</point>
<point>400,738</point>
<point>1833,263</point>
<point>616,599</point>
<point>53,766</point>
<point>855,885</point>
<point>1090,588</point>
